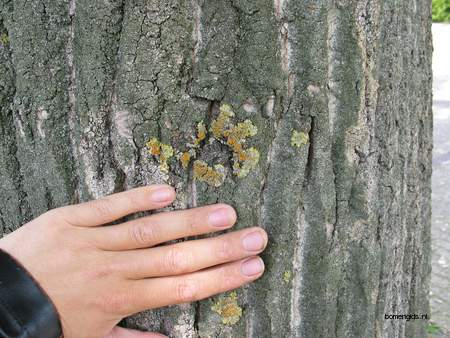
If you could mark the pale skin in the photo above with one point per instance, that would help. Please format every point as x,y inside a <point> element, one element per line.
<point>96,274</point>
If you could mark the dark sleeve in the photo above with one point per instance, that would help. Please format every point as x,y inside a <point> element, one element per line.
<point>25,309</point>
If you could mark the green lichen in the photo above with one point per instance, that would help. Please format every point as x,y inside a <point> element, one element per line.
<point>228,308</point>
<point>287,275</point>
<point>4,39</point>
<point>299,139</point>
<point>212,176</point>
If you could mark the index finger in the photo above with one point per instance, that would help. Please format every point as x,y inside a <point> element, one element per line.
<point>112,207</point>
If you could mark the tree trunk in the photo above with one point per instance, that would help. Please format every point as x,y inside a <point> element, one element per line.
<point>339,92</point>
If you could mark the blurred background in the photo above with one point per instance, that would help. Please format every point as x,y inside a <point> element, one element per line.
<point>440,230</point>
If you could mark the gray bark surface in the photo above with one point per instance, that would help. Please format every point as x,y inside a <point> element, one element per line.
<point>85,84</point>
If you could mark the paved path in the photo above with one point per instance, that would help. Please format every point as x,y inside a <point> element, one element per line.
<point>440,230</point>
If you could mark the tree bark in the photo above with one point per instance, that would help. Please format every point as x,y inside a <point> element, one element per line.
<point>340,93</point>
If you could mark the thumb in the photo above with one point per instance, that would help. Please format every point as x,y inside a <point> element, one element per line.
<point>120,332</point>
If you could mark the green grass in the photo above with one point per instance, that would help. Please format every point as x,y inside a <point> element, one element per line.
<point>433,328</point>
<point>441,10</point>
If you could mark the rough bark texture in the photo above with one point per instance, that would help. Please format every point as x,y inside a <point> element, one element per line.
<point>84,84</point>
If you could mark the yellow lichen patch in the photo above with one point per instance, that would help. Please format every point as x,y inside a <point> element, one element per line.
<point>236,135</point>
<point>242,130</point>
<point>162,151</point>
<point>225,132</point>
<point>235,145</point>
<point>218,125</point>
<point>299,139</point>
<point>201,133</point>
<point>4,39</point>
<point>185,159</point>
<point>244,159</point>
<point>228,308</point>
<point>287,276</point>
<point>153,146</point>
<point>250,157</point>
<point>226,108</point>
<point>212,176</point>
<point>166,153</point>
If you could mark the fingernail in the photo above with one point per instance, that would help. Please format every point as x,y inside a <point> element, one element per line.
<point>220,218</point>
<point>162,195</point>
<point>252,266</point>
<point>253,241</point>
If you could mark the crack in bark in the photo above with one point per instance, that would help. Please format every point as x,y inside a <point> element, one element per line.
<point>120,178</point>
<point>309,163</point>
<point>24,208</point>
<point>72,99</point>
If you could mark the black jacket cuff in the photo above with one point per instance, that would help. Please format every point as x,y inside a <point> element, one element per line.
<point>25,309</point>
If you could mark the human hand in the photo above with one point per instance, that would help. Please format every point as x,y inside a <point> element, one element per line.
<point>96,275</point>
